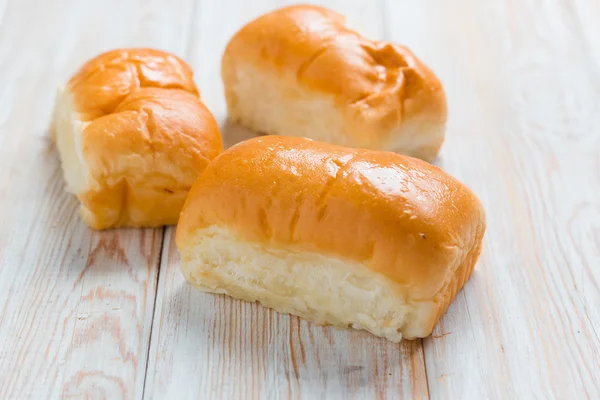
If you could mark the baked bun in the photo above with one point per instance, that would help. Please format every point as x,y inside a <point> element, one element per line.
<point>300,71</point>
<point>348,237</point>
<point>133,136</point>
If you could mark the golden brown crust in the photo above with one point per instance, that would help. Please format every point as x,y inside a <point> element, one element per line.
<point>102,83</point>
<point>400,216</point>
<point>135,122</point>
<point>379,84</point>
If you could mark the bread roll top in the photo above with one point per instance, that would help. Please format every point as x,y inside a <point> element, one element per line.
<point>104,81</point>
<point>400,216</point>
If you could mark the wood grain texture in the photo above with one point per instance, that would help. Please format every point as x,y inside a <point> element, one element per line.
<point>77,316</point>
<point>75,305</point>
<point>207,346</point>
<point>524,134</point>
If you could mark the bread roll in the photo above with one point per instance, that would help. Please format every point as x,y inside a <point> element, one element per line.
<point>132,136</point>
<point>299,71</point>
<point>348,237</point>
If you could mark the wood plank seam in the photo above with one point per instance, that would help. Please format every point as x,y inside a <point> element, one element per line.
<point>186,53</point>
<point>158,267</point>
<point>422,344</point>
<point>191,29</point>
<point>386,32</point>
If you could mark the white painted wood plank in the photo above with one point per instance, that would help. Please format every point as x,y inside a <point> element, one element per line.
<point>584,16</point>
<point>207,346</point>
<point>75,305</point>
<point>524,134</point>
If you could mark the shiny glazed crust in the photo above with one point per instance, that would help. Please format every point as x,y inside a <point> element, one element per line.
<point>385,97</point>
<point>397,216</point>
<point>132,135</point>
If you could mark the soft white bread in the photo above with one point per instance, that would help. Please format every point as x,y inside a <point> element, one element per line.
<point>342,236</point>
<point>299,71</point>
<point>132,136</point>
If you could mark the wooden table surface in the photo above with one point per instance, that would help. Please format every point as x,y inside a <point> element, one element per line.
<point>94,315</point>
